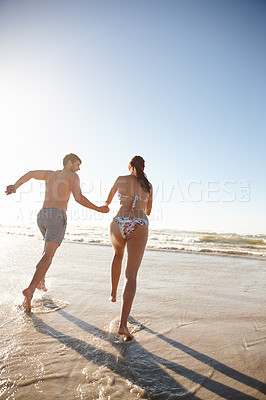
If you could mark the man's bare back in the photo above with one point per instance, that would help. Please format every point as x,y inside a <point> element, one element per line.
<point>58,186</point>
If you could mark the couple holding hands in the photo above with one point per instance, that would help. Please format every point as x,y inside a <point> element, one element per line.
<point>129,228</point>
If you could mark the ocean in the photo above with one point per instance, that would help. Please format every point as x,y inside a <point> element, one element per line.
<point>223,243</point>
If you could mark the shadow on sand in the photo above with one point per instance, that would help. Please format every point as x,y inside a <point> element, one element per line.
<point>142,368</point>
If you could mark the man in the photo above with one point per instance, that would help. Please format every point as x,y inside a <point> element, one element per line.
<point>52,218</point>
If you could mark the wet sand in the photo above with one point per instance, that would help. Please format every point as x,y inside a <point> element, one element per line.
<point>198,321</point>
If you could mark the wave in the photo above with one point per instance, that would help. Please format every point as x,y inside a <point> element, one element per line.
<point>241,240</point>
<point>166,240</point>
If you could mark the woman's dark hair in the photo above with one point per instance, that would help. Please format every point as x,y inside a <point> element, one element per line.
<point>71,157</point>
<point>138,164</point>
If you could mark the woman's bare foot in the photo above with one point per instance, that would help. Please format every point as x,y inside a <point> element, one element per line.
<point>113,297</point>
<point>124,331</point>
<point>27,301</point>
<point>41,285</point>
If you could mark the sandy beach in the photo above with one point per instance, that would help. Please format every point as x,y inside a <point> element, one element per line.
<point>198,321</point>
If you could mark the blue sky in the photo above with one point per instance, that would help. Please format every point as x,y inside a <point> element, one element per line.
<point>181,83</point>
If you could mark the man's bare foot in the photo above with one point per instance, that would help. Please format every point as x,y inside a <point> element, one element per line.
<point>27,301</point>
<point>124,331</point>
<point>41,285</point>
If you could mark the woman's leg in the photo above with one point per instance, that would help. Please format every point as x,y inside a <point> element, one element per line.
<point>135,249</point>
<point>118,244</point>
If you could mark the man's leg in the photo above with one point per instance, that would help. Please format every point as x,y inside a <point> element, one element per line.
<point>41,284</point>
<point>41,269</point>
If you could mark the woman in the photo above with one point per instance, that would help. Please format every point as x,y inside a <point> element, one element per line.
<point>129,229</point>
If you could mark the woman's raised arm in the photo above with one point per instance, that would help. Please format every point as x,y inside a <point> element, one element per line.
<point>111,194</point>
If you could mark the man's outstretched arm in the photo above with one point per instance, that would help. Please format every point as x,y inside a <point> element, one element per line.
<point>40,175</point>
<point>82,200</point>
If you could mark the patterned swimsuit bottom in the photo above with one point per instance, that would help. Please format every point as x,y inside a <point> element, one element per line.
<point>128,225</point>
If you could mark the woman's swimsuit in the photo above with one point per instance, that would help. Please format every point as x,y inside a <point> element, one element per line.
<point>128,225</point>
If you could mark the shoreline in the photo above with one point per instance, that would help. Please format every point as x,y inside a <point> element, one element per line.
<point>202,252</point>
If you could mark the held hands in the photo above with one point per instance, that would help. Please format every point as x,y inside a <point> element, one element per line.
<point>104,209</point>
<point>10,189</point>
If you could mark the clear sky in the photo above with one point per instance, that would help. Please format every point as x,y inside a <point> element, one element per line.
<point>180,82</point>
